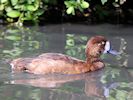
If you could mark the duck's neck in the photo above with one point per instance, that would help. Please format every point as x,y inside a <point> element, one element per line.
<point>93,63</point>
<point>91,59</point>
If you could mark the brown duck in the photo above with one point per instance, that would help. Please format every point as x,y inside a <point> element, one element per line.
<point>60,63</point>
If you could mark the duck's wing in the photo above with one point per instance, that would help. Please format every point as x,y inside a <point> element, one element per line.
<point>58,56</point>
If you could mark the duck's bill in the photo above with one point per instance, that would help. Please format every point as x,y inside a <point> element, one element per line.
<point>113,52</point>
<point>109,50</point>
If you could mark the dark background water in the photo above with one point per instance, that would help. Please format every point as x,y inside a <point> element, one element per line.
<point>114,82</point>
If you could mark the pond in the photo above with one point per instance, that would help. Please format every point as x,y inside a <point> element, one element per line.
<point>114,82</point>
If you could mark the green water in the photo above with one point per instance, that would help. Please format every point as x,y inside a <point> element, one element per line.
<point>114,82</point>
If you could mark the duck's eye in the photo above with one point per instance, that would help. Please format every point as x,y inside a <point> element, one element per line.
<point>102,42</point>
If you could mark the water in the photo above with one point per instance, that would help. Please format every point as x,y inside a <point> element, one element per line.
<point>114,82</point>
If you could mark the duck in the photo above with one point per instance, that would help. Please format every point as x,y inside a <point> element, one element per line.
<point>60,63</point>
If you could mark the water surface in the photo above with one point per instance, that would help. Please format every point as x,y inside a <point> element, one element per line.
<point>114,82</point>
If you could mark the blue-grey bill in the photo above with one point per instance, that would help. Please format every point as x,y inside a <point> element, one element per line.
<point>109,50</point>
<point>113,52</point>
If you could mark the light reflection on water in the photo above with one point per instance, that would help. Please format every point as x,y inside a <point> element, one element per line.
<point>112,82</point>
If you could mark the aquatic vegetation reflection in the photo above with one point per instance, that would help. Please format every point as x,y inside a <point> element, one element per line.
<point>75,45</point>
<point>17,40</point>
<point>123,58</point>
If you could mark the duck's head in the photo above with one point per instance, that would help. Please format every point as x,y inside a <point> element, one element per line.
<point>98,45</point>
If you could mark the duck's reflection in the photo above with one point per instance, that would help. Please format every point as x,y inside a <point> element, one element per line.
<point>93,86</point>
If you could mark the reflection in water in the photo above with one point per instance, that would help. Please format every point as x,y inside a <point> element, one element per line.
<point>16,41</point>
<point>123,58</point>
<point>93,87</point>
<point>75,45</point>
